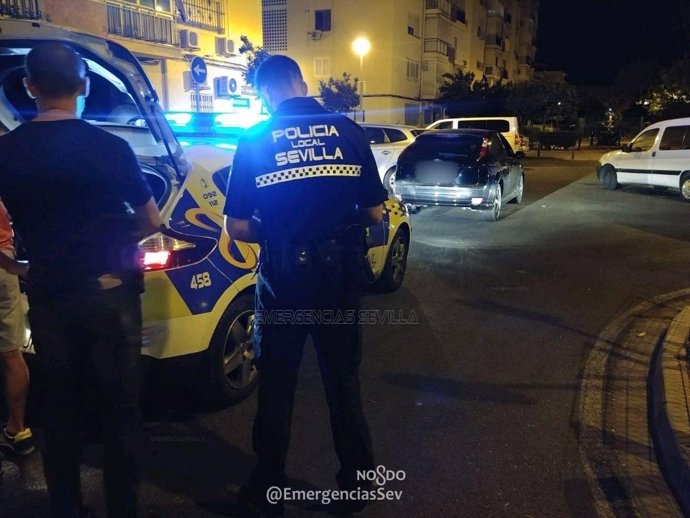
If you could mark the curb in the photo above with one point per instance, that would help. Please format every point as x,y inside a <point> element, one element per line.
<point>669,413</point>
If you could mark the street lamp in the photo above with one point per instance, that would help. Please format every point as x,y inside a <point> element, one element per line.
<point>361,46</point>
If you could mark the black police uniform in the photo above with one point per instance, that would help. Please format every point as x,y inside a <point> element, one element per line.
<point>304,172</point>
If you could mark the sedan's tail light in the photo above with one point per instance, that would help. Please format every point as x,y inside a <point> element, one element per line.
<point>165,249</point>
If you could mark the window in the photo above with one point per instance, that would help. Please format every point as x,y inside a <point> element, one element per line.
<point>322,20</point>
<point>375,135</point>
<point>395,135</point>
<point>413,25</point>
<point>496,149</point>
<point>444,125</point>
<point>322,66</point>
<point>675,137</point>
<point>412,69</point>
<point>207,14</point>
<point>645,141</point>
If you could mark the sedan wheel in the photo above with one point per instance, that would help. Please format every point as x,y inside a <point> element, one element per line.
<point>494,212</point>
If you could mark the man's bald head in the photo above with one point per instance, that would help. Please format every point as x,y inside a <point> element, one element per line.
<point>55,70</point>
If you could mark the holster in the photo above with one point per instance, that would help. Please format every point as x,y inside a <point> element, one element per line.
<point>343,257</point>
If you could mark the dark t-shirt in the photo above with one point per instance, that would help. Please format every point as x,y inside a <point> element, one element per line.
<point>66,184</point>
<point>305,171</point>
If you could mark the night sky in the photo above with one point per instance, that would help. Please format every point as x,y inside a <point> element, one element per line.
<point>592,40</point>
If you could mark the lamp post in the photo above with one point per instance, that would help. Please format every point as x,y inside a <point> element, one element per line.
<point>361,46</point>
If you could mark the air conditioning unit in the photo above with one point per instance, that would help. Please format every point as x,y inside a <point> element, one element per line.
<point>220,87</point>
<point>316,35</point>
<point>221,46</point>
<point>189,40</point>
<point>189,84</point>
<point>230,46</point>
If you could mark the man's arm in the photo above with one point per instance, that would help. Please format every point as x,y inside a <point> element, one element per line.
<point>370,215</point>
<point>148,217</point>
<point>13,266</point>
<point>246,230</point>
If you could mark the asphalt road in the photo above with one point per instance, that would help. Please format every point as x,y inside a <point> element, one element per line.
<point>472,397</point>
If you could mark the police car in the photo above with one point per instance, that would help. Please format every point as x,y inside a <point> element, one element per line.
<point>198,304</point>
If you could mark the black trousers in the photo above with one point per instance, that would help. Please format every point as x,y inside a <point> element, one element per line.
<point>90,341</point>
<point>339,349</point>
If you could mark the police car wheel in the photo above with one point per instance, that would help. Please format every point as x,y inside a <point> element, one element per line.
<point>396,262</point>
<point>230,374</point>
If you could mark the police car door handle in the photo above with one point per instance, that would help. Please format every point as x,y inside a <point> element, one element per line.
<point>386,152</point>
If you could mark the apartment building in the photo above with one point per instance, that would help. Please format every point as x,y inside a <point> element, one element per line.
<point>412,44</point>
<point>166,35</point>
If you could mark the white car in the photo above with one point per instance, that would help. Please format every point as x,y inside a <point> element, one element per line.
<point>659,156</point>
<point>507,126</point>
<point>387,142</point>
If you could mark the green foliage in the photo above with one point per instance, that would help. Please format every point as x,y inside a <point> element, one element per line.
<point>462,96</point>
<point>540,101</point>
<point>339,95</point>
<point>670,98</point>
<point>256,55</point>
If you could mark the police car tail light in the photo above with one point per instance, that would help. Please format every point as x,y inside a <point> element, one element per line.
<point>161,250</point>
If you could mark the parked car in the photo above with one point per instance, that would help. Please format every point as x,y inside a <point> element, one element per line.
<point>658,156</point>
<point>387,142</point>
<point>199,304</point>
<point>507,126</point>
<point>472,169</point>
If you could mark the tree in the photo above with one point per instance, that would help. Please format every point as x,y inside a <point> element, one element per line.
<point>462,96</point>
<point>256,55</point>
<point>670,97</point>
<point>540,101</point>
<point>339,95</point>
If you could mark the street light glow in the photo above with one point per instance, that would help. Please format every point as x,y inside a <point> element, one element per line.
<point>361,46</point>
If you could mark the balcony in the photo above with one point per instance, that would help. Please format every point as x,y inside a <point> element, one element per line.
<point>439,46</point>
<point>22,9</point>
<point>205,14</point>
<point>141,23</point>
<point>454,11</point>
<point>495,40</point>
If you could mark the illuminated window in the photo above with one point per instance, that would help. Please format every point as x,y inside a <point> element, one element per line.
<point>322,67</point>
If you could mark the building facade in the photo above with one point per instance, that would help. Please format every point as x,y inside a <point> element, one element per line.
<point>413,43</point>
<point>166,35</point>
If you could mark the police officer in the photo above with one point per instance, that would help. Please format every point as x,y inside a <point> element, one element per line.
<point>304,184</point>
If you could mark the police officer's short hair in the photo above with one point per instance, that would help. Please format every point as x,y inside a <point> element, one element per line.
<point>55,69</point>
<point>277,70</point>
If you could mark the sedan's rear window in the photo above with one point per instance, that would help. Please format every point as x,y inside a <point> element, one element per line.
<point>458,148</point>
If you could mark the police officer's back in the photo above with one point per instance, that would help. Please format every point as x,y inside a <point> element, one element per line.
<point>303,184</point>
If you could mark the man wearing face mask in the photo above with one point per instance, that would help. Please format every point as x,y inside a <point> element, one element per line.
<point>80,203</point>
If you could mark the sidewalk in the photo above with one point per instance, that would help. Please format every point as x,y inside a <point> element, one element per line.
<point>585,153</point>
<point>634,412</point>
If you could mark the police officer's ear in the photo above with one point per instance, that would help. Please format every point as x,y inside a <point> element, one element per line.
<point>304,88</point>
<point>86,87</point>
<point>30,89</point>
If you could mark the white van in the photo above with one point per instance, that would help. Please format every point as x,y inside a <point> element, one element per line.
<point>658,156</point>
<point>508,126</point>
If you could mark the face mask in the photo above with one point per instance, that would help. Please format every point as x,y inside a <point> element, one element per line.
<point>81,104</point>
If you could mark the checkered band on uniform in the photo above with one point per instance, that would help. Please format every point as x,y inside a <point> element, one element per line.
<point>312,171</point>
